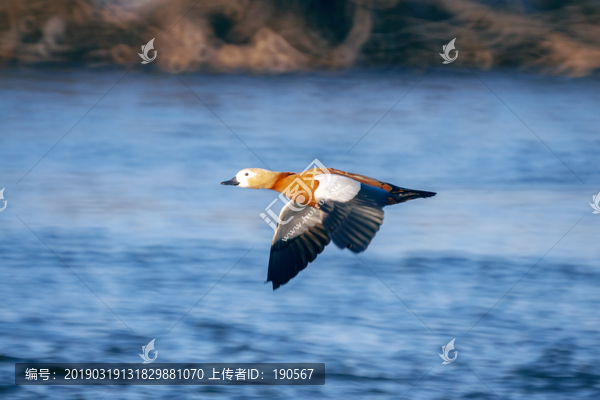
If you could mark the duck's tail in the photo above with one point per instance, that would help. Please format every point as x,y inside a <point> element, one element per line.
<point>400,195</point>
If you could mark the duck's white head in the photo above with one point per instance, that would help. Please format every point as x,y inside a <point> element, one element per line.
<point>254,178</point>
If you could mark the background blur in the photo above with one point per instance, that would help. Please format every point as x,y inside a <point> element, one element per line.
<point>117,231</point>
<point>557,36</point>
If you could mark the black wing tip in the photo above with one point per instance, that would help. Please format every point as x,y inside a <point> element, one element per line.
<point>418,194</point>
<point>276,283</point>
<point>402,195</point>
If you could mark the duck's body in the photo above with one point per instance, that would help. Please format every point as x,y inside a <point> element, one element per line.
<point>325,205</point>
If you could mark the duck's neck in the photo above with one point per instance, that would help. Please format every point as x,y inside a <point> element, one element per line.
<point>282,181</point>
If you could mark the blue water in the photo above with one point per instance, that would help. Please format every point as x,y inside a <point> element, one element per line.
<point>130,201</point>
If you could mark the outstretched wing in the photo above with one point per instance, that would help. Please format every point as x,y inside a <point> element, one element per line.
<point>350,214</point>
<point>352,211</point>
<point>396,194</point>
<point>296,243</point>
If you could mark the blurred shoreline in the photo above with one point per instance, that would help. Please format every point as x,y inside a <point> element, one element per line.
<point>266,36</point>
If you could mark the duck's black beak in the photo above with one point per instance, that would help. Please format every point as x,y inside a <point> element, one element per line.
<point>231,182</point>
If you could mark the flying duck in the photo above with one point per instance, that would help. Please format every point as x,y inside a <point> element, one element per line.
<point>324,205</point>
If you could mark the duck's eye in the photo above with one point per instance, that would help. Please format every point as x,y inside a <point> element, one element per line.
<point>246,174</point>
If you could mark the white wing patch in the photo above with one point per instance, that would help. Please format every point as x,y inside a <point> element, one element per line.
<point>336,188</point>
